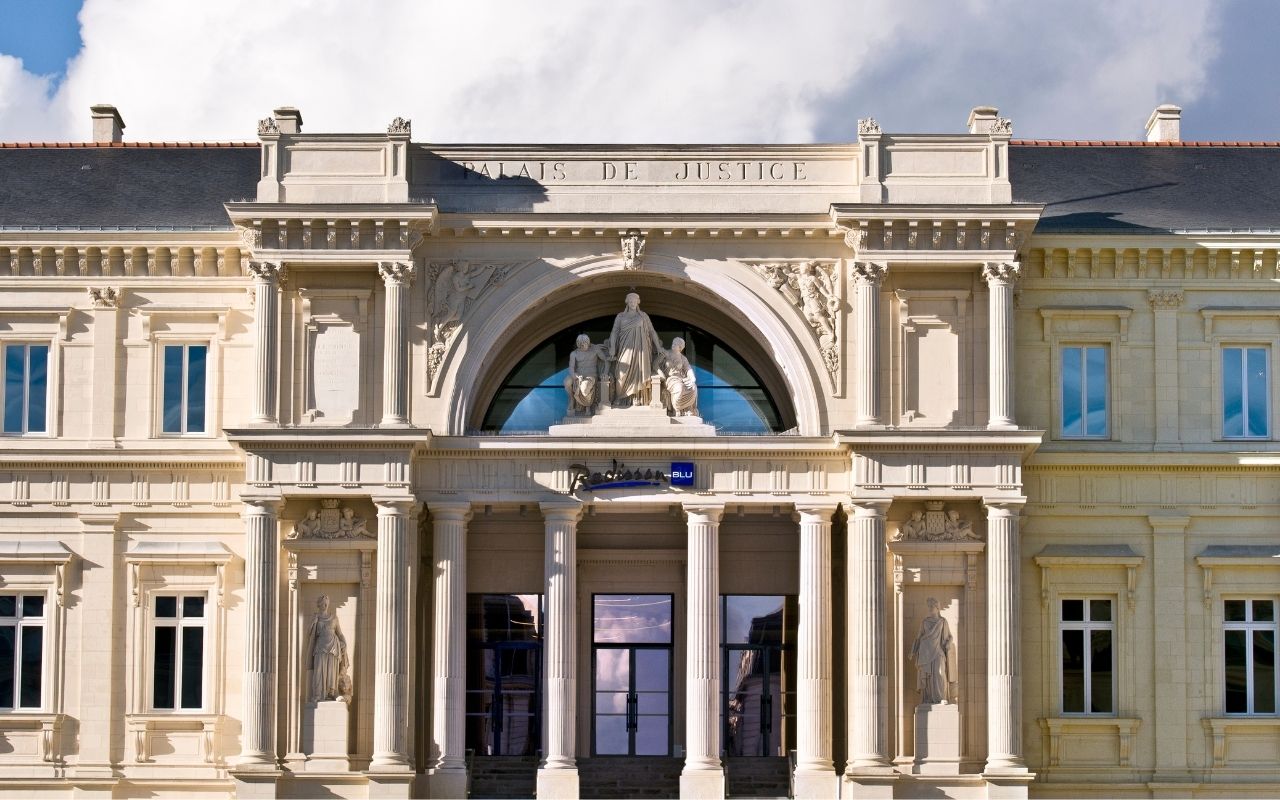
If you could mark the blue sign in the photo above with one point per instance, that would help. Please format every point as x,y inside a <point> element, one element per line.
<point>681,473</point>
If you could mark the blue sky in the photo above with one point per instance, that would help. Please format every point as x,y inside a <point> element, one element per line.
<point>628,70</point>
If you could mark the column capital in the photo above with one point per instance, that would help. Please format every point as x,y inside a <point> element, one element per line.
<point>823,509</point>
<point>257,506</point>
<point>864,508</point>
<point>867,273</point>
<point>710,512</point>
<point>266,271</point>
<point>561,511</point>
<point>1001,273</point>
<point>1169,523</point>
<point>455,511</point>
<point>402,506</point>
<point>396,272</point>
<point>1004,506</point>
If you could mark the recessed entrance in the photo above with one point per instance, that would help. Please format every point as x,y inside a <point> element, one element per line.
<point>631,674</point>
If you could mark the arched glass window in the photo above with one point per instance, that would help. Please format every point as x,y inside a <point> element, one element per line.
<point>730,393</point>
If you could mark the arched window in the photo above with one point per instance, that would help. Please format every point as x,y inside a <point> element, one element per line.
<point>731,395</point>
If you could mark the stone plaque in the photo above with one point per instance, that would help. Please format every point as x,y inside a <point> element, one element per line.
<point>335,374</point>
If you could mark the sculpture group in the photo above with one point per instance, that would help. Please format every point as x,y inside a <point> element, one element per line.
<point>631,368</point>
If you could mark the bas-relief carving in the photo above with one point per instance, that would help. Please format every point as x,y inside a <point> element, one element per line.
<point>936,525</point>
<point>632,250</point>
<point>330,522</point>
<point>327,654</point>
<point>930,652</point>
<point>811,287</point>
<point>452,289</point>
<point>104,296</point>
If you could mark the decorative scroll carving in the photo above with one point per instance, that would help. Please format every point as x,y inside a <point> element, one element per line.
<point>251,238</point>
<point>811,287</point>
<point>1006,272</point>
<point>268,127</point>
<point>330,522</point>
<point>632,250</point>
<point>454,287</point>
<point>400,127</point>
<point>856,238</point>
<point>1164,298</point>
<point>104,296</point>
<point>1003,126</point>
<point>868,127</point>
<point>936,525</point>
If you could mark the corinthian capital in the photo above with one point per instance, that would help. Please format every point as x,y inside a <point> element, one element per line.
<point>265,271</point>
<point>868,272</point>
<point>1164,298</point>
<point>1005,273</point>
<point>396,272</point>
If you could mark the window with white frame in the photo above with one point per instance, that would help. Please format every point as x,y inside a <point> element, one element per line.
<point>26,387</point>
<point>1084,391</point>
<point>1087,630</point>
<point>183,388</point>
<point>22,647</point>
<point>177,652</point>
<point>1245,401</point>
<point>1249,656</point>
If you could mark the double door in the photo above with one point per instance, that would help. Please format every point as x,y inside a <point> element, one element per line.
<point>631,675</point>
<point>758,677</point>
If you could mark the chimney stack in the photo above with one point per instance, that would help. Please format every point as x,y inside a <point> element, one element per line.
<point>982,119</point>
<point>107,124</point>
<point>288,119</point>
<point>1165,124</point>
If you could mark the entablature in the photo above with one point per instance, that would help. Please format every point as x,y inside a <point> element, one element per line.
<point>937,235</point>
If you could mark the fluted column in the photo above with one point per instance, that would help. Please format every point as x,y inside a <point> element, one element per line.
<point>448,648</point>
<point>266,339</point>
<point>867,277</point>
<point>258,741</point>
<point>867,713</point>
<point>815,773</point>
<point>1001,277</point>
<point>1004,657</point>
<point>391,637</point>
<point>396,277</point>
<point>558,774</point>
<point>703,775</point>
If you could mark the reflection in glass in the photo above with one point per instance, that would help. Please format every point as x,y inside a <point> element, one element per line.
<point>1236,671</point>
<point>730,394</point>
<point>759,674</point>
<point>1084,391</point>
<point>26,368</point>
<point>1100,672</point>
<point>1073,671</point>
<point>504,673</point>
<point>1264,672</point>
<point>1244,392</point>
<point>630,619</point>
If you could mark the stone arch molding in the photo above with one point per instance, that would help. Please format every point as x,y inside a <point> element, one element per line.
<point>741,293</point>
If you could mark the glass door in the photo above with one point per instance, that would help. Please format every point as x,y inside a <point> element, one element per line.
<point>759,674</point>
<point>504,674</point>
<point>631,675</point>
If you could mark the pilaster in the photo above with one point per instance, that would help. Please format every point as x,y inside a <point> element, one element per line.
<point>703,774</point>
<point>1165,304</point>
<point>558,773</point>
<point>1004,656</point>
<point>101,667</point>
<point>815,774</point>
<point>106,336</point>
<point>397,276</point>
<point>867,277</point>
<point>1001,277</point>
<point>266,340</point>
<point>1169,673</point>
<point>391,750</point>
<point>448,651</point>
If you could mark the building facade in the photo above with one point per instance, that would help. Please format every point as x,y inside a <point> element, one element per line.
<point>926,465</point>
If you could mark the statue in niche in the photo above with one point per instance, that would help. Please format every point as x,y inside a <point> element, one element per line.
<point>633,346</point>
<point>583,383</point>
<point>327,656</point>
<point>929,652</point>
<point>680,382</point>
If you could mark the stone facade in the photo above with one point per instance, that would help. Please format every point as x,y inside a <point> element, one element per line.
<point>235,419</point>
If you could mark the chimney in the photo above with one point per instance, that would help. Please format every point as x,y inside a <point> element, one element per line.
<point>982,119</point>
<point>1165,124</point>
<point>288,119</point>
<point>107,124</point>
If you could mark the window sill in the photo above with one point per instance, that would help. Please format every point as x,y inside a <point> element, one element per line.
<point>41,731</point>
<point>198,728</point>
<point>1239,728</point>
<point>1084,725</point>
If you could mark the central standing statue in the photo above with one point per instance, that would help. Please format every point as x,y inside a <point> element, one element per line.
<point>632,348</point>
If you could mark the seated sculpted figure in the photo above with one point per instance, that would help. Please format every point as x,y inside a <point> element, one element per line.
<point>583,381</point>
<point>680,382</point>
<point>956,529</point>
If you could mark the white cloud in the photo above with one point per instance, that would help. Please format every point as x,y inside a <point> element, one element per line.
<point>716,70</point>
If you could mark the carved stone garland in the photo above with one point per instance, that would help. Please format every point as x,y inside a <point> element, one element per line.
<point>810,286</point>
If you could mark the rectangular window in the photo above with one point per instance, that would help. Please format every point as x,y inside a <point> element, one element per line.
<point>1087,628</point>
<point>1249,656</point>
<point>22,651</point>
<point>1084,391</point>
<point>177,674</point>
<point>26,383</point>
<point>1244,393</point>
<point>184,388</point>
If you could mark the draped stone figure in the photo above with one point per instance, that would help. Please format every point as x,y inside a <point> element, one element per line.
<point>929,652</point>
<point>583,381</point>
<point>633,344</point>
<point>327,656</point>
<point>680,382</point>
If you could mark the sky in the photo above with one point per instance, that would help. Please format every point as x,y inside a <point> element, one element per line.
<point>664,71</point>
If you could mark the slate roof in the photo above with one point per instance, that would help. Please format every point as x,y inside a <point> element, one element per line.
<point>1087,187</point>
<point>154,186</point>
<point>1137,188</point>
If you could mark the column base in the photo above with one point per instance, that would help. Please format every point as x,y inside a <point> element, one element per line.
<point>1002,426</point>
<point>816,784</point>
<point>558,784</point>
<point>450,783</point>
<point>873,783</point>
<point>702,784</point>
<point>1008,786</point>
<point>392,785</point>
<point>255,784</point>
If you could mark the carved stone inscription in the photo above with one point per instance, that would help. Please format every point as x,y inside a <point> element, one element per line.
<point>335,374</point>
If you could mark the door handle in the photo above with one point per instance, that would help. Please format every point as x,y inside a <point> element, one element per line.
<point>766,713</point>
<point>633,712</point>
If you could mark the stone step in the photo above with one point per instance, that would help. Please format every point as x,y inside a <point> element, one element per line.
<point>503,777</point>
<point>609,777</point>
<point>757,777</point>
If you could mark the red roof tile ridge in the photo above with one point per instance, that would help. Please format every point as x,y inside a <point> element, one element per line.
<point>1132,143</point>
<point>109,145</point>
